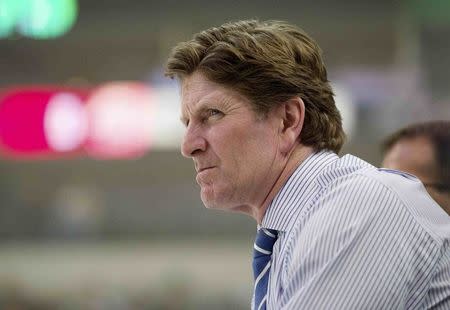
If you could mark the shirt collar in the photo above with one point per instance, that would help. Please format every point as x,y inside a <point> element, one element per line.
<point>293,196</point>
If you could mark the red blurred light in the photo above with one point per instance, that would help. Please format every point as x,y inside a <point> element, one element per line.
<point>22,114</point>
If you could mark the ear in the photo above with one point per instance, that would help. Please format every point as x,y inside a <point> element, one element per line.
<point>292,118</point>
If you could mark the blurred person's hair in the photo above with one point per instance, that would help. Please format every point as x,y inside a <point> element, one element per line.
<point>267,62</point>
<point>438,133</point>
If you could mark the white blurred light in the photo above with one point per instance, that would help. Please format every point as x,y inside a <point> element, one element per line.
<point>65,122</point>
<point>120,120</point>
<point>167,128</point>
<point>344,103</point>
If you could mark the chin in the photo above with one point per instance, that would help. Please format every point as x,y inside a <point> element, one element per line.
<point>217,197</point>
<point>211,202</point>
<point>208,196</point>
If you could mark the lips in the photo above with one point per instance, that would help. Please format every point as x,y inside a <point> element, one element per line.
<point>203,169</point>
<point>203,176</point>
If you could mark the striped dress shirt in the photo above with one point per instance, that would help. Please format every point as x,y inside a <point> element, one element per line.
<point>353,236</point>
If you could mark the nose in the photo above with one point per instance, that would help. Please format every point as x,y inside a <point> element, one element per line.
<point>193,142</point>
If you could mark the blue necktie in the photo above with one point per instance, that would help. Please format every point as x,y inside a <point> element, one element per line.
<point>262,251</point>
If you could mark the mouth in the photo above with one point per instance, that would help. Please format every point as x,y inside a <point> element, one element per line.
<point>204,169</point>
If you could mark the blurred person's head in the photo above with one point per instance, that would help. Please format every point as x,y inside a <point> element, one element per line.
<point>255,98</point>
<point>423,150</point>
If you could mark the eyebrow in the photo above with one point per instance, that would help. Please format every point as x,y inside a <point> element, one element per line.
<point>201,108</point>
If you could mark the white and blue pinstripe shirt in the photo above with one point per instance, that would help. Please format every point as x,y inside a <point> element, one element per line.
<point>352,236</point>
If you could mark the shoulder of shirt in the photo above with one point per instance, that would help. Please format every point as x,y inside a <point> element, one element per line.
<point>408,193</point>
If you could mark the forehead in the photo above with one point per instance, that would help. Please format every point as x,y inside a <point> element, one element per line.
<point>414,155</point>
<point>196,87</point>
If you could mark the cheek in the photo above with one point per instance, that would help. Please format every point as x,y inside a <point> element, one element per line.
<point>243,150</point>
<point>255,156</point>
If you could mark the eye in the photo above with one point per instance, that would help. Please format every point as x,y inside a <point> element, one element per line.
<point>184,121</point>
<point>213,112</point>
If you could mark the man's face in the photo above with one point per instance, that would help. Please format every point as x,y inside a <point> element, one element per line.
<point>416,156</point>
<point>234,150</point>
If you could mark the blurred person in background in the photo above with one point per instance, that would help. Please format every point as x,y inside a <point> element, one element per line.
<point>423,150</point>
<point>263,131</point>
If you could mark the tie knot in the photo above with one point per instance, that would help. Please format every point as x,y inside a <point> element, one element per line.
<point>265,239</point>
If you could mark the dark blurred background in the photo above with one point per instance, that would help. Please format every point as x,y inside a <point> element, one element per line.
<point>92,232</point>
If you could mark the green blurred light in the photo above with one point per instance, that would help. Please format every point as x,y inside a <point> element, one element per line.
<point>10,14</point>
<point>432,11</point>
<point>47,19</point>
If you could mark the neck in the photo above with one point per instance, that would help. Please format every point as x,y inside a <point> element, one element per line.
<point>295,159</point>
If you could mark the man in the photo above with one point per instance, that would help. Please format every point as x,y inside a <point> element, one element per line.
<point>423,150</point>
<point>263,132</point>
